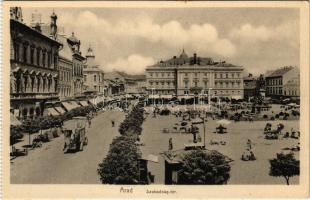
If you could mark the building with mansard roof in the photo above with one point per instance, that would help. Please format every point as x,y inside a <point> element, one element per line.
<point>34,62</point>
<point>188,76</point>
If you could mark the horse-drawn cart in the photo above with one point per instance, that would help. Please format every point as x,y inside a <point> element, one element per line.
<point>75,139</point>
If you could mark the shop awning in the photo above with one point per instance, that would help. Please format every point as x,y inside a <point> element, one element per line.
<point>76,105</point>
<point>51,111</point>
<point>185,97</point>
<point>93,101</point>
<point>67,106</point>
<point>84,103</point>
<point>155,96</point>
<point>166,96</point>
<point>60,109</point>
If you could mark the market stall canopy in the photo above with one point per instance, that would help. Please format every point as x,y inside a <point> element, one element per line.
<point>223,122</point>
<point>14,121</point>
<point>197,121</point>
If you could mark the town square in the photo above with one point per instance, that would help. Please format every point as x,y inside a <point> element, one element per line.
<point>92,103</point>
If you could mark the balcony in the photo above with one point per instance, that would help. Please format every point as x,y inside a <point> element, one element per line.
<point>22,96</point>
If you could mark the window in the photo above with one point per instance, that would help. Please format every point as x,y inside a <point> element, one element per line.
<point>185,74</point>
<point>168,83</point>
<point>156,83</point>
<point>233,75</point>
<point>31,55</point>
<point>238,75</point>
<point>185,92</point>
<point>85,78</point>
<point>215,75</point>
<point>95,78</point>
<point>43,58</point>
<point>48,59</point>
<point>163,83</point>
<point>156,74</point>
<point>186,84</point>
<point>25,53</point>
<point>196,84</point>
<point>151,74</point>
<point>151,83</point>
<point>196,74</point>
<point>221,75</point>
<point>226,75</point>
<point>205,84</point>
<point>162,74</point>
<point>205,74</point>
<point>38,56</point>
<point>16,51</point>
<point>168,74</point>
<point>95,87</point>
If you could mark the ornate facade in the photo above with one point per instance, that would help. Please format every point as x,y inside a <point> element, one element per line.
<point>34,68</point>
<point>190,76</point>
<point>93,75</point>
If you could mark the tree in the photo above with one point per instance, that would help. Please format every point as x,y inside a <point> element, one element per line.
<point>121,164</point>
<point>284,165</point>
<point>199,167</point>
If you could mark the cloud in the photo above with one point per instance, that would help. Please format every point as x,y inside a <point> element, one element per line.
<point>250,34</point>
<point>171,34</point>
<point>133,64</point>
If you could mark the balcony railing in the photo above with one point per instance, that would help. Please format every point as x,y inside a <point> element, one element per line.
<point>34,95</point>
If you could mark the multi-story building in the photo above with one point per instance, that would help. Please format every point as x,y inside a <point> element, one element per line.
<point>184,75</point>
<point>250,86</point>
<point>93,75</point>
<point>135,84</point>
<point>78,64</point>
<point>65,72</point>
<point>34,66</point>
<point>292,87</point>
<point>277,79</point>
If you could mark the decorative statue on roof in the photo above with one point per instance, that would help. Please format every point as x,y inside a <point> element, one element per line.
<point>54,25</point>
<point>16,13</point>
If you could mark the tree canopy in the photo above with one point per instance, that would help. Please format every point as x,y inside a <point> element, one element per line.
<point>284,165</point>
<point>121,164</point>
<point>200,167</point>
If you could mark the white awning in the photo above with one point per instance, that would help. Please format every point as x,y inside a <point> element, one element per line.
<point>50,111</point>
<point>67,106</point>
<point>60,109</point>
<point>155,96</point>
<point>84,103</point>
<point>73,103</point>
<point>166,96</point>
<point>185,97</point>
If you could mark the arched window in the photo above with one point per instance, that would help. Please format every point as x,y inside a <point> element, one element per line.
<point>95,78</point>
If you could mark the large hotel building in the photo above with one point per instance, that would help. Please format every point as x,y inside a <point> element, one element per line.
<point>185,76</point>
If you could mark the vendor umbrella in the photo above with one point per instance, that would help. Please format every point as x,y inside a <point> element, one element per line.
<point>223,122</point>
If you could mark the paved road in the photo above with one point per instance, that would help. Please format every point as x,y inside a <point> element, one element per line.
<point>50,165</point>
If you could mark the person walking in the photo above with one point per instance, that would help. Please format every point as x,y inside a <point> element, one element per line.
<point>113,123</point>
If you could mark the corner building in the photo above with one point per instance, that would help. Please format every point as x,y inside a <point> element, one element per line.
<point>189,76</point>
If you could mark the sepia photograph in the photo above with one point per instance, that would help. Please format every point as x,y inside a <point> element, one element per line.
<point>156,96</point>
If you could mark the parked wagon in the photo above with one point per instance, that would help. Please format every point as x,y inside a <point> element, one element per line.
<point>75,139</point>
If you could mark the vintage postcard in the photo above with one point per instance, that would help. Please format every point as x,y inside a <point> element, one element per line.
<point>155,99</point>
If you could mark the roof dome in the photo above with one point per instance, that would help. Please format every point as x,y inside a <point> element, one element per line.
<point>183,54</point>
<point>73,39</point>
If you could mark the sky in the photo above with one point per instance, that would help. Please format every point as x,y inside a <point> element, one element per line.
<point>126,39</point>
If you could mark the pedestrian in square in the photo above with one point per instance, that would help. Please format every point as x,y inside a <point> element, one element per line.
<point>113,123</point>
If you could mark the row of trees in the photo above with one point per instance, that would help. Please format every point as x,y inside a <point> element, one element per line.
<point>45,122</point>
<point>121,166</point>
